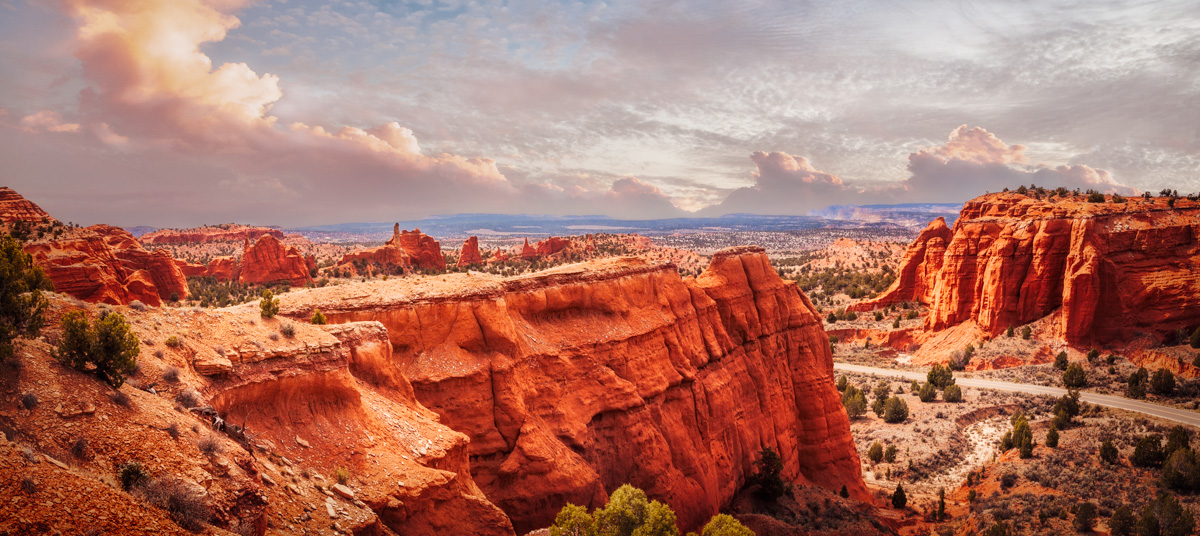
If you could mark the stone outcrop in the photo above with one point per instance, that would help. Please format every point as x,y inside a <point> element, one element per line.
<point>105,264</point>
<point>551,246</point>
<point>406,249</point>
<point>470,252</point>
<point>191,269</point>
<point>269,261</point>
<point>325,395</point>
<point>1109,271</point>
<point>14,208</point>
<point>575,380</point>
<point>528,252</point>
<point>218,233</point>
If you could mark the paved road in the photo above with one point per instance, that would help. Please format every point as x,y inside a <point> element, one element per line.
<point>1174,414</point>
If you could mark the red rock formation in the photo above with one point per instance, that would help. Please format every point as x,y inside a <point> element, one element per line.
<point>405,249</point>
<point>470,252</point>
<point>498,256</point>
<point>591,243</point>
<point>1110,270</point>
<point>528,252</point>
<point>581,378</point>
<point>335,390</point>
<point>918,270</point>
<point>105,264</point>
<point>190,269</point>
<point>269,261</point>
<point>224,268</point>
<point>222,233</point>
<point>15,208</point>
<point>551,245</point>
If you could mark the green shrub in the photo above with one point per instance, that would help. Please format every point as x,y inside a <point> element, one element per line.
<point>22,306</point>
<point>842,382</point>
<point>940,376</point>
<point>1074,377</point>
<point>895,410</point>
<point>269,305</point>
<point>1108,452</point>
<point>1060,361</point>
<point>1008,332</point>
<point>899,499</point>
<point>317,317</point>
<point>889,454</point>
<point>767,470</point>
<point>1095,198</point>
<point>172,341</point>
<point>1162,382</point>
<point>1137,383</point>
<point>132,474</point>
<point>1085,517</point>
<point>855,402</point>
<point>1194,340</point>
<point>108,347</point>
<point>831,319</point>
<point>1022,437</point>
<point>928,393</point>
<point>1165,517</point>
<point>912,315</point>
<point>878,316</point>
<point>952,393</point>
<point>727,525</point>
<point>1148,452</point>
<point>343,475</point>
<point>1052,437</point>
<point>875,452</point>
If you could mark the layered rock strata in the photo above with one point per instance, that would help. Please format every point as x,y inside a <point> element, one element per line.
<point>576,380</point>
<point>1109,271</point>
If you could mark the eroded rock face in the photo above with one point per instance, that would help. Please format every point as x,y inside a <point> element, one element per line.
<point>470,252</point>
<point>269,261</point>
<point>581,378</point>
<point>551,246</point>
<point>105,264</point>
<point>222,233</point>
<point>405,249</point>
<point>15,208</point>
<point>338,399</point>
<point>1110,270</point>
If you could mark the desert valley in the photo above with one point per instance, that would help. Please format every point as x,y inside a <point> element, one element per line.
<point>269,384</point>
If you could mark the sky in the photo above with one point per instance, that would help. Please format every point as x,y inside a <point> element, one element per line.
<point>302,112</point>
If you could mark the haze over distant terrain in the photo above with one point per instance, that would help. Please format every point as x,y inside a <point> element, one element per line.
<point>302,112</point>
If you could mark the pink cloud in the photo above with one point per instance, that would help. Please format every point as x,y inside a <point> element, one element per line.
<point>47,121</point>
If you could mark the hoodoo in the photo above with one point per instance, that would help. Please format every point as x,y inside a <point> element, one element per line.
<point>470,252</point>
<point>1108,270</point>
<point>573,381</point>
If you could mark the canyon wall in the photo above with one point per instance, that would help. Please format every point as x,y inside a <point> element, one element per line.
<point>578,379</point>
<point>105,264</point>
<point>199,235</point>
<point>1109,270</point>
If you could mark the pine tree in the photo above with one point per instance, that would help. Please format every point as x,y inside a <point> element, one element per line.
<point>899,500</point>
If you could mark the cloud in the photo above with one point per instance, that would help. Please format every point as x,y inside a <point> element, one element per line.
<point>786,184</point>
<point>971,162</point>
<point>47,121</point>
<point>974,161</point>
<point>152,88</point>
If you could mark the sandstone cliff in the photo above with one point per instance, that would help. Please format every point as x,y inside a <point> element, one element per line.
<point>573,381</point>
<point>269,261</point>
<point>470,252</point>
<point>219,233</point>
<point>106,264</point>
<point>1109,271</point>
<point>405,249</point>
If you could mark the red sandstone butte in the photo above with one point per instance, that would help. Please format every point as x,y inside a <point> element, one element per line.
<point>470,252</point>
<point>1107,270</point>
<point>551,245</point>
<point>216,233</point>
<point>269,261</point>
<point>528,252</point>
<point>405,249</point>
<point>578,379</point>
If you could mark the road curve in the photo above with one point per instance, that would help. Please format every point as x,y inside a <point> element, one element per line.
<point>1182,416</point>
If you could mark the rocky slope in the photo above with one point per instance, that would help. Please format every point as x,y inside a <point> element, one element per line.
<point>573,381</point>
<point>218,233</point>
<point>1107,271</point>
<point>284,416</point>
